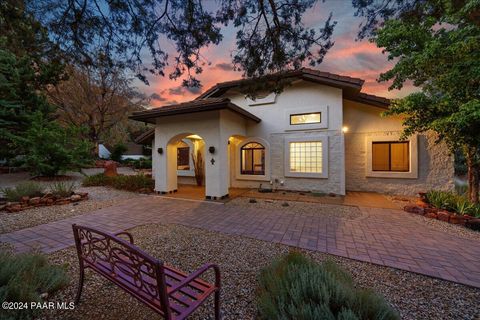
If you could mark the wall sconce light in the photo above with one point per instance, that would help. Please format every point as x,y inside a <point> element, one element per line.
<point>345,129</point>
<point>211,150</point>
<point>160,150</point>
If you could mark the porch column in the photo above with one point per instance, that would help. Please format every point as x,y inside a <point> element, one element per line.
<point>164,163</point>
<point>216,171</point>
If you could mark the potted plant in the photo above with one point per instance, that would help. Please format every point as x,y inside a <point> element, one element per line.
<point>199,167</point>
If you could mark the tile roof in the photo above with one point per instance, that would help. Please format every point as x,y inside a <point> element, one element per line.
<point>201,105</point>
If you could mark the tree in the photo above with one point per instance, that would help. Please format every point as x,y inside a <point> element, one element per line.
<point>436,44</point>
<point>270,34</point>
<point>97,98</point>
<point>29,63</point>
<point>50,149</point>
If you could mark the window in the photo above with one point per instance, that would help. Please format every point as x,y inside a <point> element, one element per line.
<point>306,157</point>
<point>183,158</point>
<point>305,118</point>
<point>252,159</point>
<point>391,156</point>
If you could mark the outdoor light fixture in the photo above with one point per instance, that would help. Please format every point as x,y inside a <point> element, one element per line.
<point>160,150</point>
<point>211,150</point>
<point>345,129</point>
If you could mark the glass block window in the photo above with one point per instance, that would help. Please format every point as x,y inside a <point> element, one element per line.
<point>306,157</point>
<point>305,118</point>
<point>252,159</point>
<point>391,156</point>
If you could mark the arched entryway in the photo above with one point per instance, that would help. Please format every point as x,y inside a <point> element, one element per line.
<point>186,163</point>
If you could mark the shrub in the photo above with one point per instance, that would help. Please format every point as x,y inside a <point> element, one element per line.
<point>62,189</point>
<point>142,164</point>
<point>452,202</point>
<point>129,183</point>
<point>51,149</point>
<point>117,152</point>
<point>24,277</point>
<point>30,189</point>
<point>295,287</point>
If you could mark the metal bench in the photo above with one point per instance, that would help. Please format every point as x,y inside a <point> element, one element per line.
<point>169,292</point>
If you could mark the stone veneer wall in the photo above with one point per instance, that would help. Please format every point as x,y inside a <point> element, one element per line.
<point>435,167</point>
<point>334,183</point>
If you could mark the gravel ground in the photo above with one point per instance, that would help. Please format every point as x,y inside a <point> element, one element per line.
<point>99,197</point>
<point>240,260</point>
<point>329,210</point>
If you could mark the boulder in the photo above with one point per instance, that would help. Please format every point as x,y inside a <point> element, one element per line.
<point>82,194</point>
<point>34,201</point>
<point>443,216</point>
<point>431,215</point>
<point>25,199</point>
<point>414,209</point>
<point>458,219</point>
<point>473,224</point>
<point>110,169</point>
<point>62,201</point>
<point>14,208</point>
<point>76,198</point>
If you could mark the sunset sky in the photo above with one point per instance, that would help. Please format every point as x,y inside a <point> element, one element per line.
<point>347,57</point>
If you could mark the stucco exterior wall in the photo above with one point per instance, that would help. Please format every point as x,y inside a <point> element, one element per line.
<point>435,163</point>
<point>275,129</point>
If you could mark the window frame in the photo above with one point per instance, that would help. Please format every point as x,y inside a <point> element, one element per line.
<point>242,148</point>
<point>238,155</point>
<point>188,158</point>
<point>322,109</point>
<point>390,143</point>
<point>303,114</point>
<point>318,138</point>
<point>386,137</point>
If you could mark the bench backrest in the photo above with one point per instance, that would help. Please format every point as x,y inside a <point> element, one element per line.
<point>124,264</point>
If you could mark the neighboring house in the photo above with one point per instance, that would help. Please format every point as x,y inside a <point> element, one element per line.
<point>320,134</point>
<point>134,151</point>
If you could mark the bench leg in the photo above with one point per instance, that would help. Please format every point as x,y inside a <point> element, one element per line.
<point>217,305</point>
<point>80,286</point>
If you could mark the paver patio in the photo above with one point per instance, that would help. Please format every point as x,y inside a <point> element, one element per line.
<point>382,236</point>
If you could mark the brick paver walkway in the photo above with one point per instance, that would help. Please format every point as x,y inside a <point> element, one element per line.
<point>382,236</point>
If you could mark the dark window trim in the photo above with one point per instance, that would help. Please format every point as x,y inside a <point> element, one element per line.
<point>249,172</point>
<point>303,114</point>
<point>178,150</point>
<point>390,155</point>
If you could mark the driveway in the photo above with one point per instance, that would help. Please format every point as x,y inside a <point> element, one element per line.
<point>387,237</point>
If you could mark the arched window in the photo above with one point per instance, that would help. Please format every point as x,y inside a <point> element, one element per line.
<point>252,159</point>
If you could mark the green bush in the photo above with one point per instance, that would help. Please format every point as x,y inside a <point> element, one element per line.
<point>127,182</point>
<point>295,287</point>
<point>452,202</point>
<point>28,188</point>
<point>117,152</point>
<point>62,189</point>
<point>24,277</point>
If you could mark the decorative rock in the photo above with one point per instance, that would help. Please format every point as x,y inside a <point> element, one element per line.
<point>76,197</point>
<point>285,204</point>
<point>473,224</point>
<point>414,209</point>
<point>14,208</point>
<point>49,201</point>
<point>443,216</point>
<point>422,203</point>
<point>423,195</point>
<point>110,169</point>
<point>458,219</point>
<point>62,201</point>
<point>83,194</point>
<point>25,199</point>
<point>34,201</point>
<point>431,215</point>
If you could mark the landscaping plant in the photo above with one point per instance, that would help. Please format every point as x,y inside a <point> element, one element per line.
<point>199,167</point>
<point>27,277</point>
<point>28,188</point>
<point>450,201</point>
<point>295,287</point>
<point>62,189</point>
<point>137,182</point>
<point>118,150</point>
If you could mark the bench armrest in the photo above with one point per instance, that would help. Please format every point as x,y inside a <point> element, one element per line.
<point>194,275</point>
<point>124,233</point>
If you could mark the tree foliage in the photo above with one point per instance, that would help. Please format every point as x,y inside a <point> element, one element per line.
<point>99,99</point>
<point>270,33</point>
<point>436,45</point>
<point>50,149</point>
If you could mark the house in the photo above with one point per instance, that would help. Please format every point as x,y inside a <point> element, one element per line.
<point>320,134</point>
